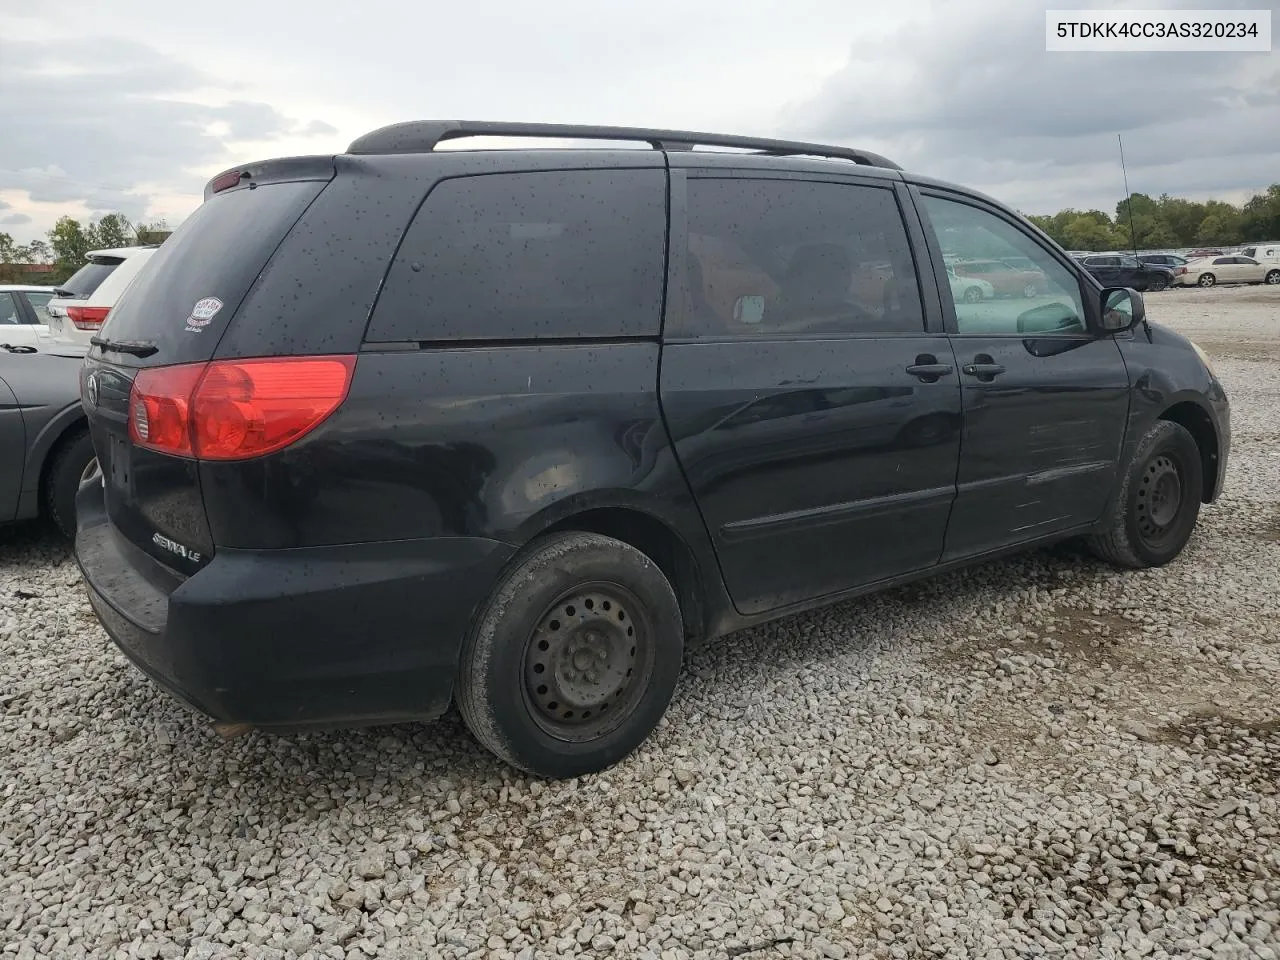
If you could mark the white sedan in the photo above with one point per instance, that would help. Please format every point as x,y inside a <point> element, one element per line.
<point>969,289</point>
<point>1207,271</point>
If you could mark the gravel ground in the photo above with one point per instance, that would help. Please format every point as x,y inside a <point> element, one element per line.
<point>1035,757</point>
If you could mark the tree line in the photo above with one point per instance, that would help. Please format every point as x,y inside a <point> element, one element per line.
<point>1167,223</point>
<point>68,243</point>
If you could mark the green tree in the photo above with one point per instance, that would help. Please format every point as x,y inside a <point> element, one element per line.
<point>113,230</point>
<point>70,241</point>
<point>14,255</point>
<point>1260,217</point>
<point>1091,230</point>
<point>1211,230</point>
<point>38,252</point>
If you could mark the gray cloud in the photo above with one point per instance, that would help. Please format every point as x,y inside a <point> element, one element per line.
<point>971,95</point>
<point>318,128</point>
<point>14,219</point>
<point>96,119</point>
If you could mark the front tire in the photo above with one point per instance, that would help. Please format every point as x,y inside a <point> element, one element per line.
<point>1207,280</point>
<point>573,659</point>
<point>72,462</point>
<point>1158,503</point>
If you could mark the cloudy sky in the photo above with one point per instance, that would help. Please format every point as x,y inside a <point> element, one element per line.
<point>132,104</point>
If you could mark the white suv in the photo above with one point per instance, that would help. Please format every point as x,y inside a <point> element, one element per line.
<point>81,306</point>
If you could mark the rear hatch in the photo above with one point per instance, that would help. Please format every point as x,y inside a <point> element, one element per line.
<point>80,286</point>
<point>166,327</point>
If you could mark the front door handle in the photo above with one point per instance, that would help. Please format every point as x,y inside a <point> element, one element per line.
<point>984,368</point>
<point>928,369</point>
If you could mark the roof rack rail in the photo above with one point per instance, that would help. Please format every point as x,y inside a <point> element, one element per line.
<point>422,136</point>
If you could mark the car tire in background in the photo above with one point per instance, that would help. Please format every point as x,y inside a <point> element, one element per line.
<point>972,295</point>
<point>1272,277</point>
<point>1206,280</point>
<point>1158,503</point>
<point>1029,290</point>
<point>72,461</point>
<point>574,657</point>
<point>1158,282</point>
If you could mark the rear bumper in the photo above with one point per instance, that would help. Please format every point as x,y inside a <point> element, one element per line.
<point>292,639</point>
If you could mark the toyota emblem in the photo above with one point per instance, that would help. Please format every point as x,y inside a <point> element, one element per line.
<point>91,388</point>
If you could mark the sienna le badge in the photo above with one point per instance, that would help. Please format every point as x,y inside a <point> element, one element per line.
<point>204,311</point>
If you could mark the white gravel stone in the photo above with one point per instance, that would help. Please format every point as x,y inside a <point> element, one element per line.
<point>1037,757</point>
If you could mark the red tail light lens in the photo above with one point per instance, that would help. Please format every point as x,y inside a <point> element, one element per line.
<point>88,318</point>
<point>225,181</point>
<point>1182,270</point>
<point>235,409</point>
<point>160,408</point>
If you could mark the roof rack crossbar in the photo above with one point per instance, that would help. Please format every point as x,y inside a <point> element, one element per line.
<point>423,136</point>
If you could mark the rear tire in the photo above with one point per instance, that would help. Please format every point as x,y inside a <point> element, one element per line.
<point>1272,278</point>
<point>1207,280</point>
<point>72,462</point>
<point>972,295</point>
<point>572,660</point>
<point>1158,502</point>
<point>1158,283</point>
<point>1029,290</point>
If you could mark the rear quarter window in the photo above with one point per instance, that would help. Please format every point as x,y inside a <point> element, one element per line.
<point>530,255</point>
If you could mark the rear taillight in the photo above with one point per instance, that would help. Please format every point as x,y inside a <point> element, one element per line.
<point>235,409</point>
<point>87,318</point>
<point>1181,270</point>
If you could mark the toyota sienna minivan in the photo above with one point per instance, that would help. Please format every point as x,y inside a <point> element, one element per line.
<point>404,427</point>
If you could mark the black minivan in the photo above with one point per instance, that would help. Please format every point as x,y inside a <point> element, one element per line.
<point>510,427</point>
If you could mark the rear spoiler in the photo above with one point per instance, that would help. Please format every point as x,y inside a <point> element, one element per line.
<point>284,170</point>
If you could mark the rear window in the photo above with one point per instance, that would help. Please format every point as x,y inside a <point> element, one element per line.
<point>89,277</point>
<point>528,255</point>
<point>191,288</point>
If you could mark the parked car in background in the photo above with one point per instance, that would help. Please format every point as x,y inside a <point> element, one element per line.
<point>24,316</point>
<point>1263,251</point>
<point>1210,271</point>
<point>1119,270</point>
<point>1005,279</point>
<point>1170,260</point>
<point>1204,252</point>
<point>81,305</point>
<point>527,445</point>
<point>969,289</point>
<point>45,450</point>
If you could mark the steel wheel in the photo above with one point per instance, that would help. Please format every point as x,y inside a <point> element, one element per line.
<point>588,661</point>
<point>1159,499</point>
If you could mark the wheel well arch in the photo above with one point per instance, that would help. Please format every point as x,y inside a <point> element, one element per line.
<point>1199,424</point>
<point>65,435</point>
<point>660,543</point>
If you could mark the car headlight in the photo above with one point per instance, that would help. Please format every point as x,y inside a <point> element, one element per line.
<point>1204,358</point>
